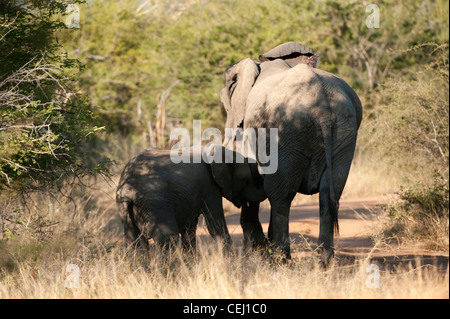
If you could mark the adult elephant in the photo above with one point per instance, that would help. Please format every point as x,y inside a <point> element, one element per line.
<point>317,115</point>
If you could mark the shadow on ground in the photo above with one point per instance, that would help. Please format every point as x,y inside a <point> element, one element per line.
<point>357,221</point>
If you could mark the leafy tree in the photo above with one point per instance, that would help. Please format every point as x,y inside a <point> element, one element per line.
<point>134,50</point>
<point>44,119</point>
<point>410,129</point>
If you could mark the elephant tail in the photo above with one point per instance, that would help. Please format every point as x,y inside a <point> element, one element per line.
<point>333,204</point>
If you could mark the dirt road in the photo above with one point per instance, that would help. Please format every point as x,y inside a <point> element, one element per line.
<point>358,221</point>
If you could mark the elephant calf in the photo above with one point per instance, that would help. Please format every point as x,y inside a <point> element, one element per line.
<point>160,199</point>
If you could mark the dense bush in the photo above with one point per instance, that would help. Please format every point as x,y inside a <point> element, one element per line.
<point>408,129</point>
<point>133,52</point>
<point>44,118</point>
<point>408,134</point>
<point>421,215</point>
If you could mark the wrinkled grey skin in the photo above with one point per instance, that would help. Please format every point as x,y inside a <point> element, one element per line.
<point>317,115</point>
<point>160,199</point>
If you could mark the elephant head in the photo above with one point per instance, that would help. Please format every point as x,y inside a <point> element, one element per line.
<point>239,182</point>
<point>292,53</point>
<point>240,77</point>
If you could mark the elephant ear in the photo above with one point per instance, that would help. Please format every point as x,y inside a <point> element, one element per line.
<point>292,53</point>
<point>221,170</point>
<point>239,79</point>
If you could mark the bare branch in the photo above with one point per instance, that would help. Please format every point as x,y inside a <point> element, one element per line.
<point>8,26</point>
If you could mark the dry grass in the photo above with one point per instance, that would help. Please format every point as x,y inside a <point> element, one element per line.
<point>116,274</point>
<point>92,240</point>
<point>211,275</point>
<point>420,216</point>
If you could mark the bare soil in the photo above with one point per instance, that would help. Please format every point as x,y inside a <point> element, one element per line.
<point>359,220</point>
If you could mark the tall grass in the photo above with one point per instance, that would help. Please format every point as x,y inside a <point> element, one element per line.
<point>91,238</point>
<point>211,275</point>
<point>421,215</point>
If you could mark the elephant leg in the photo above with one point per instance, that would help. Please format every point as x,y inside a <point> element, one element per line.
<point>215,221</point>
<point>188,237</point>
<point>329,207</point>
<point>281,188</point>
<point>251,227</point>
<point>166,239</point>
<point>279,215</point>
<point>270,230</point>
<point>163,228</point>
<point>133,236</point>
<point>280,202</point>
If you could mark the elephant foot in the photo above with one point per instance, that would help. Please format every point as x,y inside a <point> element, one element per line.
<point>227,248</point>
<point>259,247</point>
<point>278,259</point>
<point>326,256</point>
<point>255,241</point>
<point>277,256</point>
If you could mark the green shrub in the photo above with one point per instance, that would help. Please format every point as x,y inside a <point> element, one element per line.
<point>421,215</point>
<point>45,119</point>
<point>150,46</point>
<point>407,130</point>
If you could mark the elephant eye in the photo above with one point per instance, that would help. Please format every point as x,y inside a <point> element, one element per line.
<point>232,87</point>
